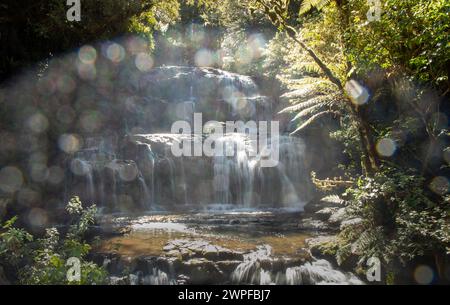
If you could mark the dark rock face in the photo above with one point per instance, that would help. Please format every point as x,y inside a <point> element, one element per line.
<point>172,93</point>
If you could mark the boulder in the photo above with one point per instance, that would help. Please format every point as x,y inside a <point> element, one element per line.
<point>200,249</point>
<point>351,222</point>
<point>338,217</point>
<point>202,271</point>
<point>323,246</point>
<point>325,213</point>
<point>313,225</point>
<point>115,280</point>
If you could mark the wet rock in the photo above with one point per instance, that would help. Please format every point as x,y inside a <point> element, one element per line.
<point>235,221</point>
<point>200,248</point>
<point>313,224</point>
<point>218,253</point>
<point>133,279</point>
<point>326,202</point>
<point>228,266</point>
<point>323,246</point>
<point>115,280</point>
<point>303,255</point>
<point>337,217</point>
<point>202,271</point>
<point>112,262</point>
<point>351,222</point>
<point>182,279</point>
<point>325,213</point>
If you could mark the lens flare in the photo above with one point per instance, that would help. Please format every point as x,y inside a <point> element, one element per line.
<point>357,93</point>
<point>87,55</point>
<point>204,58</point>
<point>424,275</point>
<point>69,143</point>
<point>439,185</point>
<point>11,179</point>
<point>115,52</point>
<point>386,147</point>
<point>37,123</point>
<point>144,62</point>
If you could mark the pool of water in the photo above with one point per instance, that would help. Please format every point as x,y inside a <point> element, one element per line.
<point>149,234</point>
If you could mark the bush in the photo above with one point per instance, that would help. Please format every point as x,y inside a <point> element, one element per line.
<point>400,220</point>
<point>44,261</point>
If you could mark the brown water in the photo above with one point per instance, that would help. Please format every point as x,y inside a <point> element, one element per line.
<point>150,234</point>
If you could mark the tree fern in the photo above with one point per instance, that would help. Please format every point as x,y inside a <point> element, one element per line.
<point>307,5</point>
<point>310,110</point>
<point>307,91</point>
<point>313,95</point>
<point>298,83</point>
<point>310,67</point>
<point>312,119</point>
<point>299,106</point>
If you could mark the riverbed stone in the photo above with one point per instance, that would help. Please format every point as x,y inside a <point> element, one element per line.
<point>202,271</point>
<point>313,224</point>
<point>325,213</point>
<point>116,280</point>
<point>228,266</point>
<point>323,246</point>
<point>338,217</point>
<point>200,248</point>
<point>353,222</point>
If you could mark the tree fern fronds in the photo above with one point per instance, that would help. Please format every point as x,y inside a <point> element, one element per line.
<point>307,5</point>
<point>309,111</point>
<point>309,80</point>
<point>312,119</point>
<point>307,90</point>
<point>303,93</point>
<point>305,104</point>
<point>310,67</point>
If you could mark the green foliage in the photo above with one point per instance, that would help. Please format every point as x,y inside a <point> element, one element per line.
<point>420,226</point>
<point>34,32</point>
<point>44,261</point>
<point>411,38</point>
<point>13,243</point>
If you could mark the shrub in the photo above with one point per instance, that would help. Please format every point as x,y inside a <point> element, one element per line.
<point>44,260</point>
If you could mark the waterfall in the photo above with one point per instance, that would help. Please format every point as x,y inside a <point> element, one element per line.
<point>319,272</point>
<point>157,277</point>
<point>235,171</point>
<point>146,201</point>
<point>141,170</point>
<point>250,271</point>
<point>258,268</point>
<point>90,182</point>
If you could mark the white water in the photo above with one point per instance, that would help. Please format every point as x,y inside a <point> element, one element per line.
<point>255,269</point>
<point>163,182</point>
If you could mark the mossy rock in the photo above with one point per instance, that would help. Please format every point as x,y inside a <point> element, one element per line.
<point>323,246</point>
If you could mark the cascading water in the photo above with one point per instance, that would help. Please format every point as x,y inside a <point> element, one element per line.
<point>260,268</point>
<point>141,172</point>
<point>236,169</point>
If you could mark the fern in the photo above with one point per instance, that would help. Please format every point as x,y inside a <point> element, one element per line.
<point>307,5</point>
<point>306,104</point>
<point>311,67</point>
<point>312,119</point>
<point>310,110</point>
<point>299,83</point>
<point>313,95</point>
